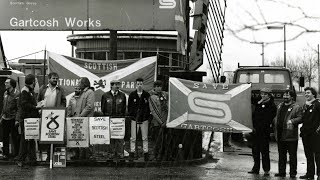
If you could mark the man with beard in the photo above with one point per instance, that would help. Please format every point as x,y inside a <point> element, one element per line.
<point>8,117</point>
<point>51,95</point>
<point>138,108</point>
<point>286,133</point>
<point>310,132</point>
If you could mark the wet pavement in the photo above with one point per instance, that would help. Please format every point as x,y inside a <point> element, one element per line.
<point>234,163</point>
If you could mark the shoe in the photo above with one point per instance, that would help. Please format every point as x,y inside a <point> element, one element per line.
<point>292,176</point>
<point>280,175</point>
<point>146,157</point>
<point>266,173</point>
<point>253,172</point>
<point>306,176</point>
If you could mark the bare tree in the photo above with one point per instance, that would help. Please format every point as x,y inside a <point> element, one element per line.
<point>304,64</point>
<point>254,18</point>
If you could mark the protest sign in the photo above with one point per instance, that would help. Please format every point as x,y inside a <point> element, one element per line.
<point>52,125</point>
<point>77,132</point>
<point>99,130</point>
<point>117,128</point>
<point>32,128</point>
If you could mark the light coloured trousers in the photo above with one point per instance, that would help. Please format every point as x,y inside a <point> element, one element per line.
<point>144,133</point>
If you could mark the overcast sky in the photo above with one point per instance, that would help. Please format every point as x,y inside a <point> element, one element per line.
<point>238,12</point>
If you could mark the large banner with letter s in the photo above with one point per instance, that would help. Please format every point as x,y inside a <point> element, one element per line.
<point>209,107</point>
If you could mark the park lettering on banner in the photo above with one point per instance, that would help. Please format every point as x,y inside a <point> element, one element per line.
<point>99,130</point>
<point>117,128</point>
<point>77,132</point>
<point>52,125</point>
<point>32,128</point>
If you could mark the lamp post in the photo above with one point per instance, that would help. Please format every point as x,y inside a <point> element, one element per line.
<point>284,41</point>
<point>262,53</point>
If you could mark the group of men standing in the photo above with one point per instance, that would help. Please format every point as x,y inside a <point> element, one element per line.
<point>285,119</point>
<point>143,107</point>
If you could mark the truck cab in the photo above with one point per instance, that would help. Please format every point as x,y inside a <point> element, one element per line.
<point>278,79</point>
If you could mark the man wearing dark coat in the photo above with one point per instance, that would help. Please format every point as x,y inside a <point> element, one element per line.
<point>310,133</point>
<point>286,133</point>
<point>265,111</point>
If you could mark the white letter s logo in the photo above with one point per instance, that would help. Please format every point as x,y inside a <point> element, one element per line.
<point>209,107</point>
<point>167,4</point>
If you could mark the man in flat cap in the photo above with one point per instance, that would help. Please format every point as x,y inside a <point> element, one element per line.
<point>263,114</point>
<point>113,104</point>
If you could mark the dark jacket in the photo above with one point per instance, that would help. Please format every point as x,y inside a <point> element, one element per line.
<point>27,104</point>
<point>60,99</point>
<point>311,122</point>
<point>138,107</point>
<point>114,106</point>
<point>262,118</point>
<point>293,114</point>
<point>10,104</point>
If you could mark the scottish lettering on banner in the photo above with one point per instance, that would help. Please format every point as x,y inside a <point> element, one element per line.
<point>99,130</point>
<point>78,132</point>
<point>209,107</point>
<point>52,125</point>
<point>117,128</point>
<point>32,128</point>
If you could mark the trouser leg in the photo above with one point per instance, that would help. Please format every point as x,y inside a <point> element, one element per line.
<point>282,151</point>
<point>265,155</point>
<point>256,155</point>
<point>292,148</point>
<point>144,133</point>
<point>307,145</point>
<point>133,136</point>
<point>6,136</point>
<point>317,159</point>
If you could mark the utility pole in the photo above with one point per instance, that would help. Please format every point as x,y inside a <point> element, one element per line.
<point>113,45</point>
<point>318,68</point>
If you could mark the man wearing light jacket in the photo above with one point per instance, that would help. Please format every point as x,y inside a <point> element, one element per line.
<point>286,133</point>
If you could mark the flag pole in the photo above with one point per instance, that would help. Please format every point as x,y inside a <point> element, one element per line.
<point>44,65</point>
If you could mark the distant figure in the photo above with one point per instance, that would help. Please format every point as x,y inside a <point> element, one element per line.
<point>265,111</point>
<point>71,109</point>
<point>286,133</point>
<point>8,117</point>
<point>139,111</point>
<point>310,132</point>
<point>28,109</point>
<point>113,104</point>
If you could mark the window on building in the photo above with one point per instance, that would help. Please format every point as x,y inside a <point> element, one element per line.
<point>163,59</point>
<point>88,55</point>
<point>148,54</point>
<point>131,55</point>
<point>100,55</point>
<point>175,59</point>
<point>120,55</point>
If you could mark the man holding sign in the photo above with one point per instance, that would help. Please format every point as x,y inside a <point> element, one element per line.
<point>28,109</point>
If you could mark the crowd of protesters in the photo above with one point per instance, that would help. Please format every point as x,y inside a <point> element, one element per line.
<point>145,110</point>
<point>285,120</point>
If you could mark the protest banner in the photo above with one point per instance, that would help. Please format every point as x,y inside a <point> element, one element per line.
<point>32,128</point>
<point>209,107</point>
<point>77,132</point>
<point>99,130</point>
<point>52,125</point>
<point>117,128</point>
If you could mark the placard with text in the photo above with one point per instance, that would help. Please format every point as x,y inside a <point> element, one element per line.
<point>117,128</point>
<point>32,128</point>
<point>99,130</point>
<point>52,125</point>
<point>77,132</point>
